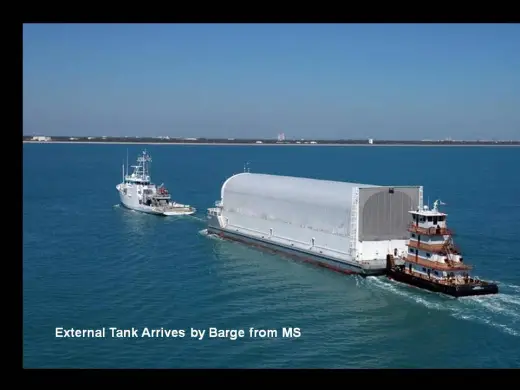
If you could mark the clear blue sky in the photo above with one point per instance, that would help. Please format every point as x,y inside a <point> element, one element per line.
<point>390,81</point>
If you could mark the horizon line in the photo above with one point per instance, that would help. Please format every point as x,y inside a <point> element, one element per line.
<point>164,139</point>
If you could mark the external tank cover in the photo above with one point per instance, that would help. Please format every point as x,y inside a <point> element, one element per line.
<point>262,202</point>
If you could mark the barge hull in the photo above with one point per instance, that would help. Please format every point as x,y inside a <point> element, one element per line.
<point>454,291</point>
<point>295,254</point>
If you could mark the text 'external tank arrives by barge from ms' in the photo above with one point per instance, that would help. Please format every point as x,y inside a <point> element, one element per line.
<point>348,227</point>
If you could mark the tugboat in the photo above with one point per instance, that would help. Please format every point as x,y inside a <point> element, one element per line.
<point>433,261</point>
<point>137,192</point>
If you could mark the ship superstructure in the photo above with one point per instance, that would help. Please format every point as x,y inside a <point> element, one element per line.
<point>433,261</point>
<point>138,192</point>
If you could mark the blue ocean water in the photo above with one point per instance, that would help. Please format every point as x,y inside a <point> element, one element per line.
<point>88,263</point>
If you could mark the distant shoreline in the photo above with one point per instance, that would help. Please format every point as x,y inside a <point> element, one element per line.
<point>409,144</point>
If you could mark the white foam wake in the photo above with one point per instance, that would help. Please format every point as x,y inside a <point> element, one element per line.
<point>513,287</point>
<point>204,232</point>
<point>500,311</point>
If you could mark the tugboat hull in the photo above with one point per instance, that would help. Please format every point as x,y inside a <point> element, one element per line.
<point>457,291</point>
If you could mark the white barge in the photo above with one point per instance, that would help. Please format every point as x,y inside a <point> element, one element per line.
<point>347,227</point>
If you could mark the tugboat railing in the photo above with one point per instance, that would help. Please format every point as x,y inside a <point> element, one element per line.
<point>431,231</point>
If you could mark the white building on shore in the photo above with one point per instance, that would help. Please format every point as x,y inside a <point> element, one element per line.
<point>41,138</point>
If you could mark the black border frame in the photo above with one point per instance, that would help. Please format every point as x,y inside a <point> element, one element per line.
<point>338,378</point>
<point>218,12</point>
<point>211,12</point>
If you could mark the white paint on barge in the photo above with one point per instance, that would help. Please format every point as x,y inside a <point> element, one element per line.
<point>349,227</point>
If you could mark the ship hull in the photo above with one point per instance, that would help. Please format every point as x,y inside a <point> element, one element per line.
<point>452,290</point>
<point>334,265</point>
<point>142,209</point>
<point>177,212</point>
<point>128,203</point>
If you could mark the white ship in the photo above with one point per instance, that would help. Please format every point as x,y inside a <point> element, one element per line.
<point>137,192</point>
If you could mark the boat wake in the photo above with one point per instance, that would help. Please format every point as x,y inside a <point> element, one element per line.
<point>513,287</point>
<point>204,232</point>
<point>501,311</point>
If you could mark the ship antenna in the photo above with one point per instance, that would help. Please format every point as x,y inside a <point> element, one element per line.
<point>149,165</point>
<point>437,203</point>
<point>145,163</point>
<point>127,161</point>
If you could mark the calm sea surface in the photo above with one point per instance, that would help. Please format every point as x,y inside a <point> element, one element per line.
<point>90,264</point>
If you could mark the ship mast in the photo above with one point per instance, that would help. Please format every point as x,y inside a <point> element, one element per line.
<point>142,167</point>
